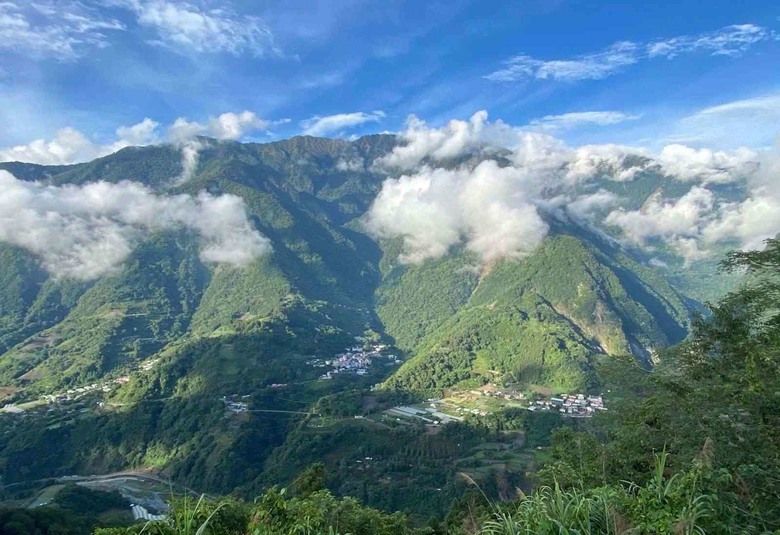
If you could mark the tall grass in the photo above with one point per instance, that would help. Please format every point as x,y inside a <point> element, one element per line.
<point>673,505</point>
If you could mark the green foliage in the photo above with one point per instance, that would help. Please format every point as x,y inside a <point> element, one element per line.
<point>76,511</point>
<point>545,319</point>
<point>677,504</point>
<point>414,300</point>
<point>273,513</point>
<point>540,319</point>
<point>720,387</point>
<point>85,500</point>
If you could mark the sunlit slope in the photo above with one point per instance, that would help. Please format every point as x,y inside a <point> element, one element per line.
<point>542,319</point>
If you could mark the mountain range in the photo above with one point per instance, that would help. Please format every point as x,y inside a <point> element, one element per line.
<point>176,330</point>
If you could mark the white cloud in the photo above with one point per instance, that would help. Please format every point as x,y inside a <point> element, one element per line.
<point>568,121</point>
<point>226,126</point>
<point>705,165</point>
<point>189,27</point>
<point>679,222</point>
<point>456,138</point>
<point>71,146</point>
<point>88,231</point>
<point>448,197</point>
<point>585,67</point>
<point>143,133</point>
<point>583,207</point>
<point>609,160</point>
<point>488,208</point>
<point>190,154</point>
<point>64,30</point>
<point>726,41</point>
<point>751,121</point>
<point>234,125</point>
<point>698,220</point>
<point>321,126</point>
<point>352,165</point>
<point>758,217</point>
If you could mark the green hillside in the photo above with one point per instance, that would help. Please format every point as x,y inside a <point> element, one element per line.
<point>166,338</point>
<point>539,320</point>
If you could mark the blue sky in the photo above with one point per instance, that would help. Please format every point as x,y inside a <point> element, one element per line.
<point>585,71</point>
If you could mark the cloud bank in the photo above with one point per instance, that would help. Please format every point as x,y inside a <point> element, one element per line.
<point>491,186</point>
<point>71,146</point>
<point>88,231</point>
<point>435,209</point>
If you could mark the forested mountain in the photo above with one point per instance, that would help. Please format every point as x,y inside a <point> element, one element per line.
<point>174,333</point>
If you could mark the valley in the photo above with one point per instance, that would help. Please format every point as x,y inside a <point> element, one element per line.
<point>405,380</point>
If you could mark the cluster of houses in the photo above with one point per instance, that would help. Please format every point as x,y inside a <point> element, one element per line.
<point>74,394</point>
<point>570,405</point>
<point>235,405</point>
<point>494,392</point>
<point>355,360</point>
<point>431,415</point>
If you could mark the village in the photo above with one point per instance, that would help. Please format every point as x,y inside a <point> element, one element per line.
<point>355,360</point>
<point>489,398</point>
<point>61,400</point>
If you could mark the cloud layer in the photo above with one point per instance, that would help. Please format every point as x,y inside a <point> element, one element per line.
<point>453,190</point>
<point>67,29</point>
<point>88,231</point>
<point>727,41</point>
<point>186,26</point>
<point>62,30</point>
<point>71,146</point>
<point>435,209</point>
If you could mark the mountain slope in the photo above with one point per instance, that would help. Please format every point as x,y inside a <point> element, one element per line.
<point>543,318</point>
<point>186,333</point>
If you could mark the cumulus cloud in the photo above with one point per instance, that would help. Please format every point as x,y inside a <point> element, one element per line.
<point>88,231</point>
<point>488,208</point>
<point>583,207</point>
<point>71,146</point>
<point>727,41</point>
<point>696,221</point>
<point>456,138</point>
<point>757,218</point>
<point>324,125</point>
<point>491,186</point>
<point>686,163</point>
<point>678,222</point>
<point>226,126</point>
<point>617,162</point>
